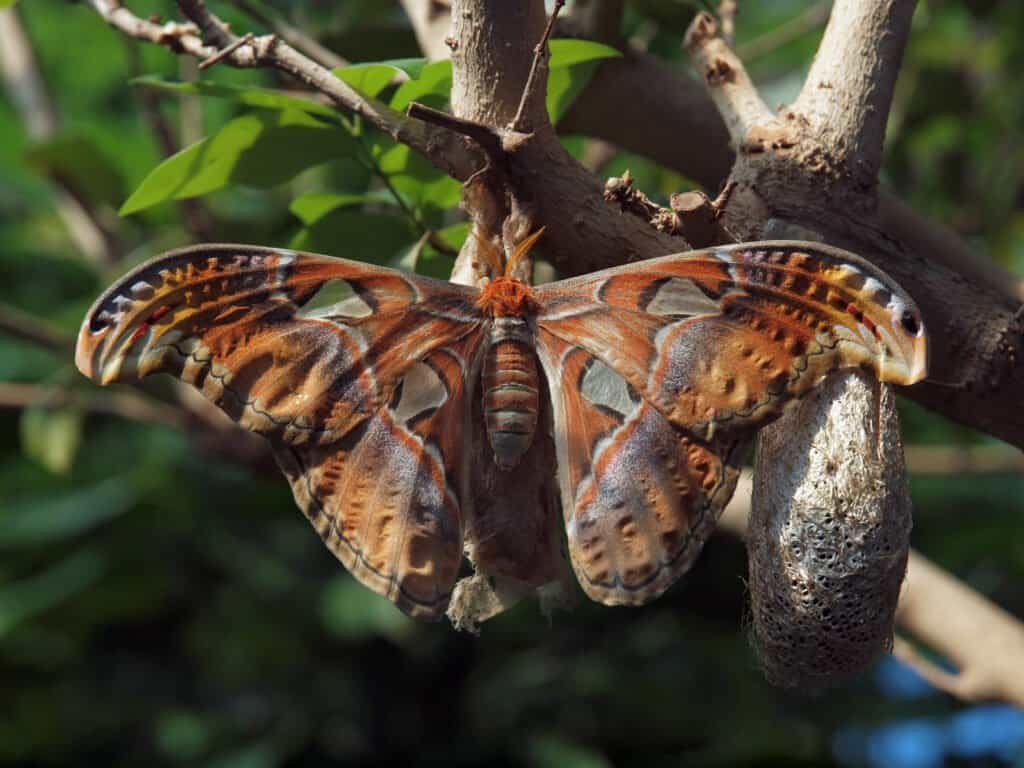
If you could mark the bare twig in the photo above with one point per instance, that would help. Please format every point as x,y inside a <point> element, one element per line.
<point>731,89</point>
<point>206,35</point>
<point>226,51</point>
<point>727,10</point>
<point>534,88</point>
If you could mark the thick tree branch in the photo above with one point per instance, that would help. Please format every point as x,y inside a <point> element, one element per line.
<point>788,171</point>
<point>831,516</point>
<point>848,91</point>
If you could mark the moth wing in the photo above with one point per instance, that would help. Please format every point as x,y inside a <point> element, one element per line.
<point>357,375</point>
<point>295,346</point>
<point>725,338</point>
<point>390,499</point>
<point>639,495</point>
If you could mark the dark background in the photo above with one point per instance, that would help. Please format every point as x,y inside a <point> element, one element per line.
<point>162,602</point>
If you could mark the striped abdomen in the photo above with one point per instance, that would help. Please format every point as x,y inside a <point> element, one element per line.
<point>509,379</point>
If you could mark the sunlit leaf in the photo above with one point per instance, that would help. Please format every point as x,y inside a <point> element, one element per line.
<point>573,63</point>
<point>368,79</point>
<point>432,86</point>
<point>567,52</point>
<point>313,206</point>
<point>259,150</point>
<point>418,181</point>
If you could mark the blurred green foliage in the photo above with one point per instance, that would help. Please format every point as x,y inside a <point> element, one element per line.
<point>161,605</point>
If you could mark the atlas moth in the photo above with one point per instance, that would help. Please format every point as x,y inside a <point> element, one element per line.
<point>369,384</point>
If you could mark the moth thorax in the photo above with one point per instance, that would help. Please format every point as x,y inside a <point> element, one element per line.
<point>509,379</point>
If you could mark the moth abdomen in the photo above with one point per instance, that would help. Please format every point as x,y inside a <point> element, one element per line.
<point>510,390</point>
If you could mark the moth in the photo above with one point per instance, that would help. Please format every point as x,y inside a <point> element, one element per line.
<point>370,383</point>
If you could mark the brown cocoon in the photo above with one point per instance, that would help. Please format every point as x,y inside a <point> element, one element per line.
<point>829,533</point>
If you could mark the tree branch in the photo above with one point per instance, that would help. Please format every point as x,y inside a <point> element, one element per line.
<point>734,95</point>
<point>268,51</point>
<point>848,91</point>
<point>983,641</point>
<point>787,170</point>
<point>293,36</point>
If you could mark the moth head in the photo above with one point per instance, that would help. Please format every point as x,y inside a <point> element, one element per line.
<point>507,297</point>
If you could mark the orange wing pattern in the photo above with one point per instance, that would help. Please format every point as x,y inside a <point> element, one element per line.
<point>727,337</point>
<point>357,374</point>
<point>639,496</point>
<point>660,371</point>
<point>363,378</point>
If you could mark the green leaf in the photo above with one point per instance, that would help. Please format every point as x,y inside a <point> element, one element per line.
<point>568,52</point>
<point>251,97</point>
<point>368,79</point>
<point>313,206</point>
<point>51,437</point>
<point>412,67</point>
<point>53,516</point>
<point>432,87</point>
<point>22,600</point>
<point>573,63</point>
<point>420,183</point>
<point>371,237</point>
<point>259,150</point>
<point>6,3</point>
<point>80,164</point>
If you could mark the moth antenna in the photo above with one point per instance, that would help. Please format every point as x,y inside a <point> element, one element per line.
<point>489,253</point>
<point>521,250</point>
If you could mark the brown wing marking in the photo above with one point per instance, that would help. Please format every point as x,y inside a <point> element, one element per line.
<point>298,347</point>
<point>640,497</point>
<point>726,338</point>
<point>390,498</point>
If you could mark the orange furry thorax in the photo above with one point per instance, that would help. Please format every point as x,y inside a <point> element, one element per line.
<point>507,297</point>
